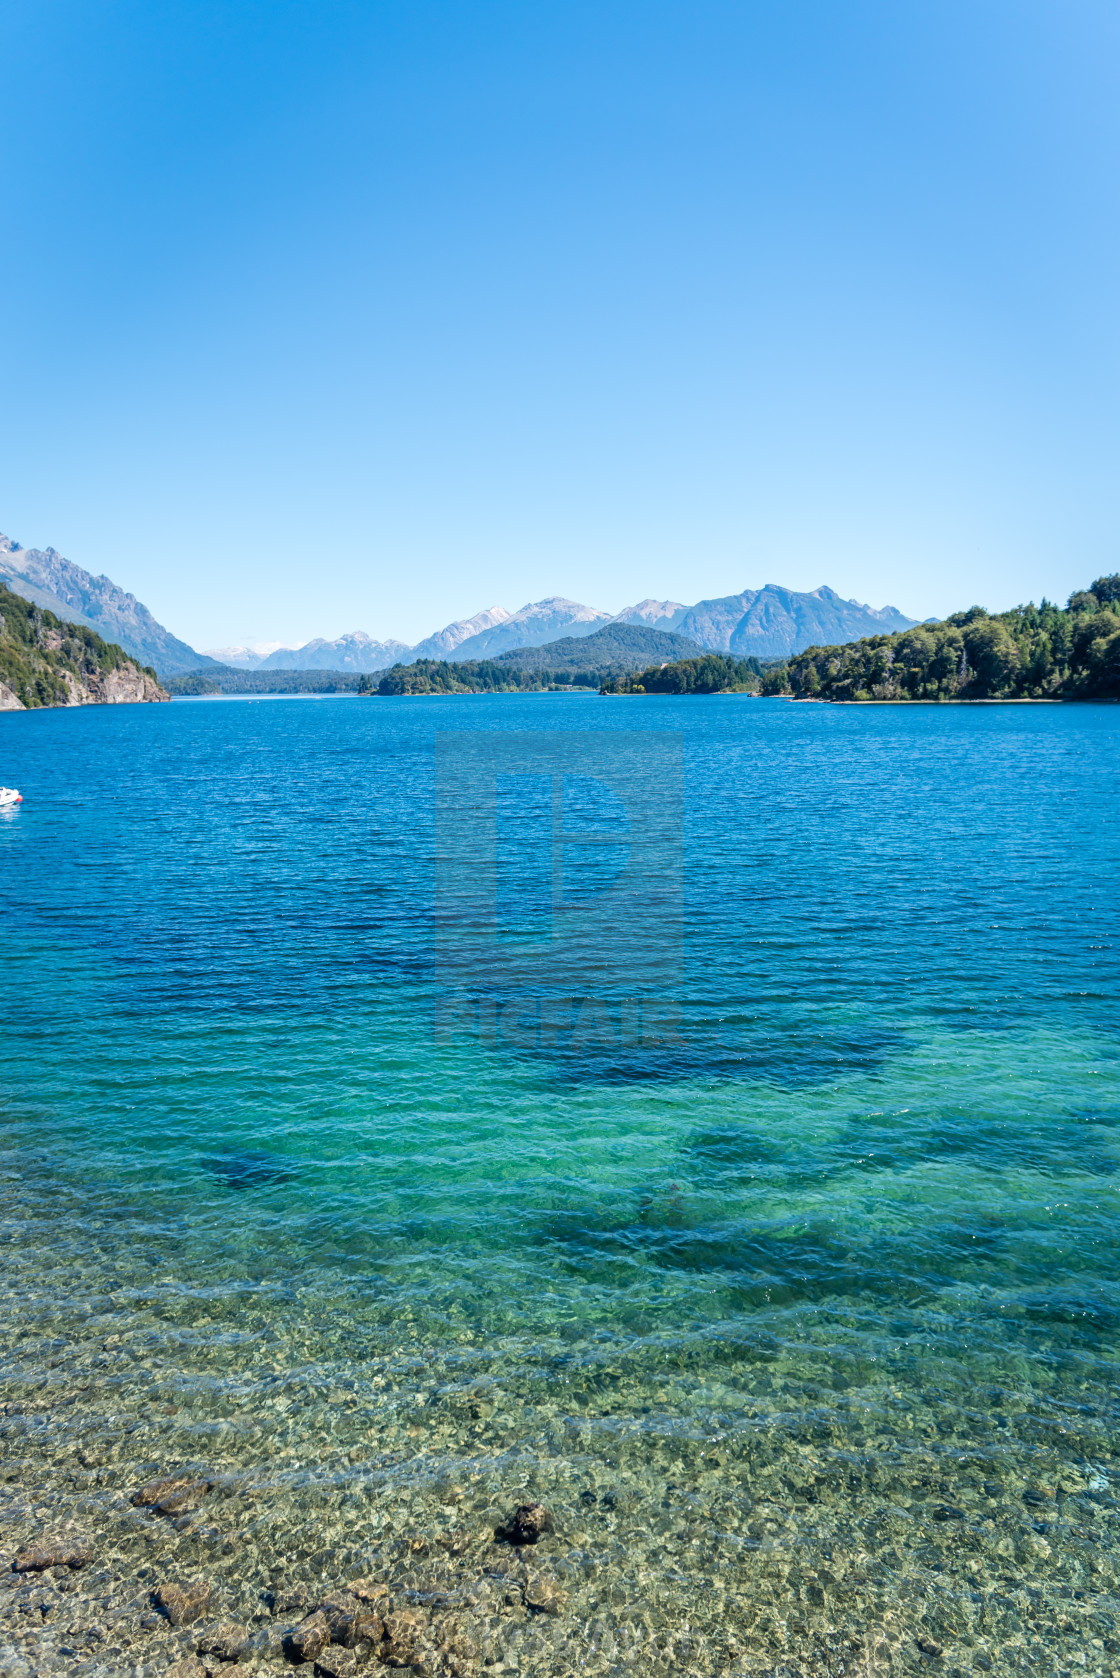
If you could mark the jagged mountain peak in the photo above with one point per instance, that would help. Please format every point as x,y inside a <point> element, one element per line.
<point>653,614</point>
<point>537,622</point>
<point>47,579</point>
<point>445,641</point>
<point>775,622</point>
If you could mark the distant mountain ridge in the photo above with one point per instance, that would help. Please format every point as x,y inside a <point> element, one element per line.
<point>774,622</point>
<point>574,662</point>
<point>766,623</point>
<point>654,614</point>
<point>533,626</point>
<point>44,577</point>
<point>447,641</point>
<point>769,622</point>
<point>357,651</point>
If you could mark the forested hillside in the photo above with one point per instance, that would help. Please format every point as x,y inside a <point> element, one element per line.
<point>713,673</point>
<point>574,661</point>
<point>478,675</point>
<point>619,646</point>
<point>46,661</point>
<point>1031,652</point>
<point>227,678</point>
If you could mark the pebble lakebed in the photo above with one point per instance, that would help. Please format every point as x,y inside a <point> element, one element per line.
<point>789,1531</point>
<point>815,1373</point>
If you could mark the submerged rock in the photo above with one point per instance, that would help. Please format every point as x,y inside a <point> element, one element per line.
<point>190,1667</point>
<point>545,1594</point>
<point>183,1604</point>
<point>289,1600</point>
<point>175,1494</point>
<point>367,1590</point>
<point>340,1610</point>
<point>336,1663</point>
<point>308,1639</point>
<point>43,1554</point>
<point>227,1641</point>
<point>526,1524</point>
<point>403,1632</point>
<point>350,1621</point>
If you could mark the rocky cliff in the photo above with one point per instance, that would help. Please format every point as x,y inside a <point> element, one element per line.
<point>45,660</point>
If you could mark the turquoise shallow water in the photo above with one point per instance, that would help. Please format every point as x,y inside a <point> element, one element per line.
<point>804,1327</point>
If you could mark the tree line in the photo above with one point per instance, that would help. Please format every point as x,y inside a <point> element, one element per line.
<point>1031,652</point>
<point>713,673</point>
<point>478,675</point>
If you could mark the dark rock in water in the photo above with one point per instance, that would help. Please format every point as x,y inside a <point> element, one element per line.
<point>338,1609</point>
<point>336,1663</point>
<point>350,1622</point>
<point>368,1631</point>
<point>308,1639</point>
<point>367,1590</point>
<point>172,1495</point>
<point>525,1525</point>
<point>248,1171</point>
<point>290,1600</point>
<point>929,1647</point>
<point>183,1604</point>
<point>403,1633</point>
<point>227,1641</point>
<point>184,1500</point>
<point>43,1554</point>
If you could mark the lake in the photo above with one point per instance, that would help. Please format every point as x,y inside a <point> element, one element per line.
<point>768,1237</point>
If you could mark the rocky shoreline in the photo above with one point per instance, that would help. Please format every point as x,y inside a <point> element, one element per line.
<point>172,1582</point>
<point>436,1612</point>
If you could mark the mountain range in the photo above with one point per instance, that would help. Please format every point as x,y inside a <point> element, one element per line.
<point>769,622</point>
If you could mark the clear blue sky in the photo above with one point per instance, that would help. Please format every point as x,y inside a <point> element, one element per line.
<point>332,315</point>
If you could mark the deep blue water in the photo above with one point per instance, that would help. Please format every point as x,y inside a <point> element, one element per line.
<point>837,1255</point>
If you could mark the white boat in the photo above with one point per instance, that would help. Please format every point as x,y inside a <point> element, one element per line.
<point>9,796</point>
